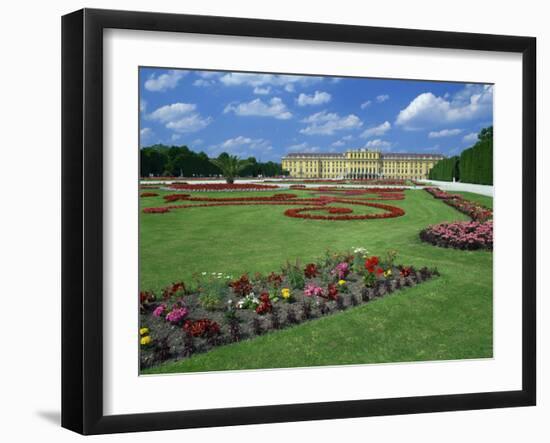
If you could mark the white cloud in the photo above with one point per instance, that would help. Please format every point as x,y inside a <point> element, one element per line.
<point>297,147</point>
<point>142,105</point>
<point>303,147</point>
<point>242,146</point>
<point>170,112</point>
<point>165,81</point>
<point>201,82</point>
<point>378,144</point>
<point>262,91</point>
<point>338,143</point>
<point>274,108</point>
<point>473,101</point>
<point>286,81</point>
<point>208,74</point>
<point>324,123</point>
<point>145,132</point>
<point>470,138</point>
<point>366,104</point>
<point>191,123</point>
<point>377,130</point>
<point>444,133</point>
<point>197,141</point>
<point>318,98</point>
<point>347,137</point>
<point>175,137</point>
<point>180,117</point>
<point>382,98</point>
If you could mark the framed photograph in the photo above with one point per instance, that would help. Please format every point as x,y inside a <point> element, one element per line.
<point>269,221</point>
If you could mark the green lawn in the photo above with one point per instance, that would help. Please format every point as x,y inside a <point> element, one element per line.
<point>449,317</point>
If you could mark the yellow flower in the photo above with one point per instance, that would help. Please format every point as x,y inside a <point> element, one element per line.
<point>143,331</point>
<point>145,340</point>
<point>387,273</point>
<point>341,282</point>
<point>285,292</point>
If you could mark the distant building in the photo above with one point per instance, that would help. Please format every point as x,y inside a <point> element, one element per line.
<point>360,163</point>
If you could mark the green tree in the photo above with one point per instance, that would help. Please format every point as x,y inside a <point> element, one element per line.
<point>230,165</point>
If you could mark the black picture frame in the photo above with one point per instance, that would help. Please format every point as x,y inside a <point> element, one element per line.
<point>82,218</point>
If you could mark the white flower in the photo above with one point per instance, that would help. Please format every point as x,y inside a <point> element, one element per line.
<point>203,273</point>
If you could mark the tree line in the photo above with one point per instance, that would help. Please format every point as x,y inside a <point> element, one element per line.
<point>180,161</point>
<point>473,165</point>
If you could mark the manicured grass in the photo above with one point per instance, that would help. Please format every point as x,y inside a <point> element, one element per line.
<point>481,199</point>
<point>449,317</point>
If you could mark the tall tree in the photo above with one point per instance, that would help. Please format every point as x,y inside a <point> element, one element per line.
<point>230,165</point>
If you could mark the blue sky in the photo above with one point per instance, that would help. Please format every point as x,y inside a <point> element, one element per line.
<point>269,115</point>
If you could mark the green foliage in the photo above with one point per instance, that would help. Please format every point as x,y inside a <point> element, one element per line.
<point>475,164</point>
<point>213,292</point>
<point>445,169</point>
<point>295,275</point>
<point>230,165</point>
<point>178,161</point>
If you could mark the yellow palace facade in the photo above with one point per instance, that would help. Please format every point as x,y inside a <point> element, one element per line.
<point>360,163</point>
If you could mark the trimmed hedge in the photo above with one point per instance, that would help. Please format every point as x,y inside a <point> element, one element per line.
<point>475,164</point>
<point>445,170</point>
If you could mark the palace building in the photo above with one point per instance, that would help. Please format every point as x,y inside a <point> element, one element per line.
<point>360,164</point>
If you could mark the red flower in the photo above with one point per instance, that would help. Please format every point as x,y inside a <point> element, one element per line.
<point>332,291</point>
<point>275,279</point>
<point>379,271</point>
<point>242,286</point>
<point>201,328</point>
<point>311,270</point>
<point>371,263</point>
<point>265,305</point>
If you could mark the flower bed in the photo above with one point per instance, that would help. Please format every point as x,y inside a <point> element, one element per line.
<point>438,193</point>
<point>208,187</point>
<point>477,234</point>
<point>156,210</point>
<point>149,194</point>
<point>307,205</point>
<point>218,309</point>
<point>460,235</point>
<point>473,210</point>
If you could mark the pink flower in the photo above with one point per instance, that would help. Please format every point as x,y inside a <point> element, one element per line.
<point>176,314</point>
<point>313,290</point>
<point>159,310</point>
<point>342,270</point>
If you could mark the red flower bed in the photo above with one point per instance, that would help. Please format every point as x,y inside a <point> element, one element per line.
<point>223,187</point>
<point>149,194</point>
<point>438,193</point>
<point>460,235</point>
<point>176,197</point>
<point>308,204</point>
<point>392,211</point>
<point>155,210</point>
<point>340,210</point>
<point>475,211</point>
